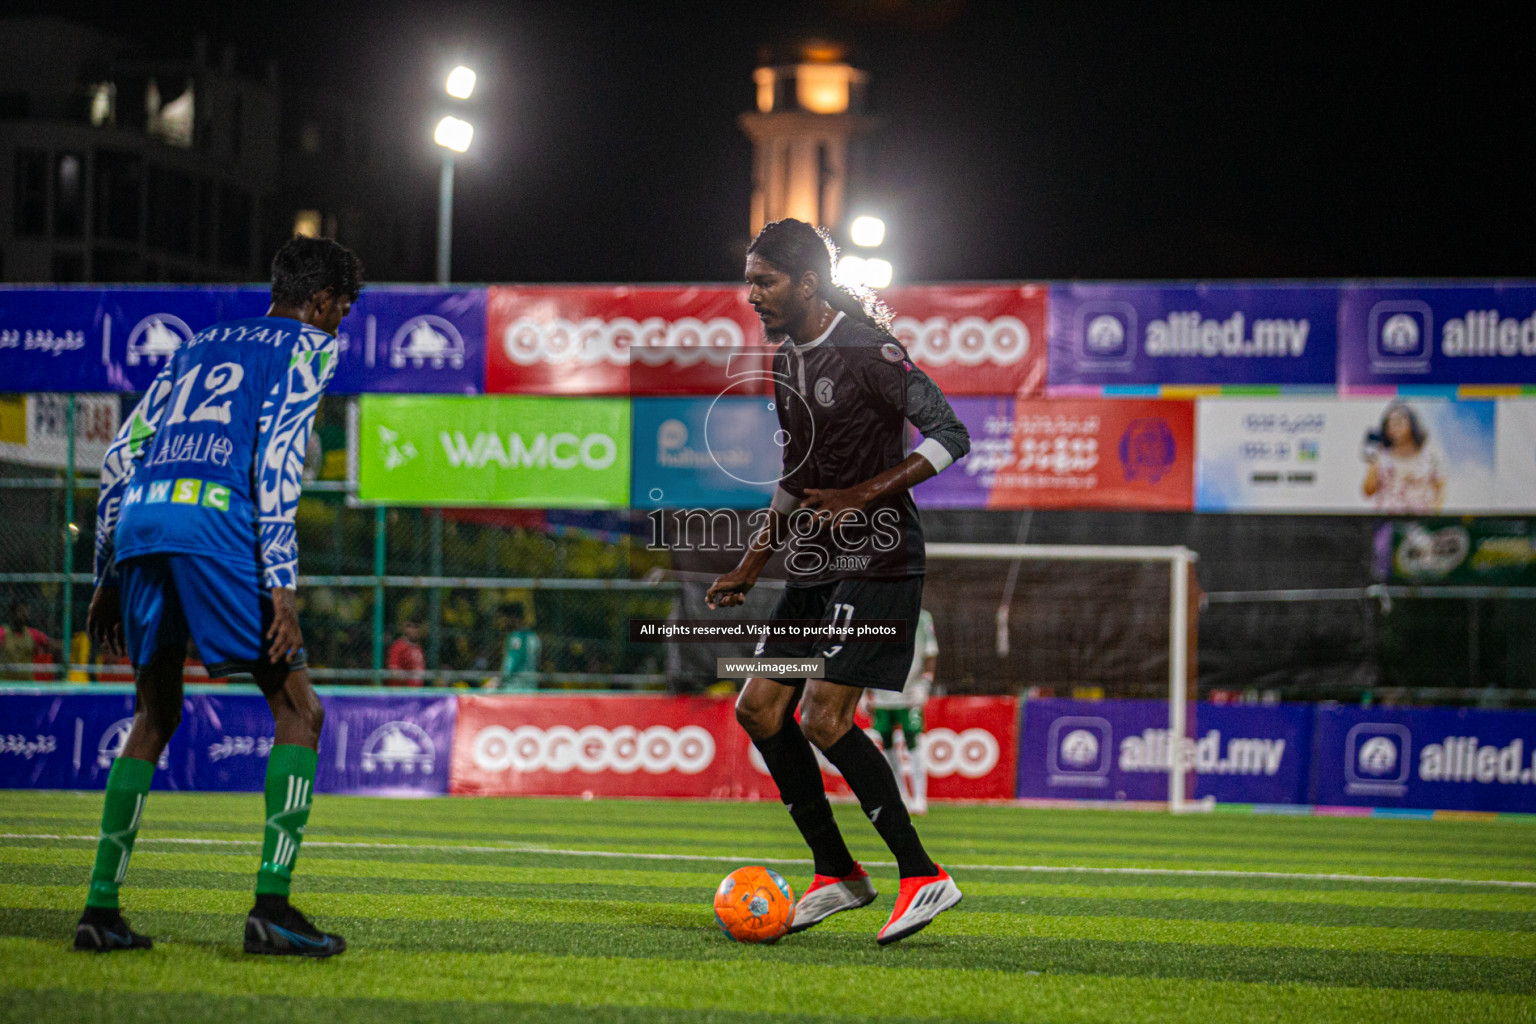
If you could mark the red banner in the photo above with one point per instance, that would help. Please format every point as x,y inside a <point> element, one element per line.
<point>619,340</point>
<point>970,746</point>
<point>607,746</point>
<point>974,339</point>
<point>624,340</point>
<point>1070,453</point>
<point>663,746</point>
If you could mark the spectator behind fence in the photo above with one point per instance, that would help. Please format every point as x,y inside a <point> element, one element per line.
<point>20,644</point>
<point>520,657</point>
<point>405,655</point>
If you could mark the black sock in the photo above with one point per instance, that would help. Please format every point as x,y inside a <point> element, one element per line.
<point>869,775</point>
<point>793,766</point>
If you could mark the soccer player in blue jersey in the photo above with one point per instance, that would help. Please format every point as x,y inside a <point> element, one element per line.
<point>195,536</point>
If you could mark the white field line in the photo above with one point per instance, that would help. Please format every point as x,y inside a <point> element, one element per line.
<point>1300,876</point>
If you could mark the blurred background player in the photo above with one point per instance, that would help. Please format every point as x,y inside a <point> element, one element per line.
<point>844,390</point>
<point>195,537</point>
<point>406,655</point>
<point>889,708</point>
<point>21,644</point>
<point>520,655</point>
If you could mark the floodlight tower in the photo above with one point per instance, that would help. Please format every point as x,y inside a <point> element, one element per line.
<point>454,135</point>
<point>809,106</point>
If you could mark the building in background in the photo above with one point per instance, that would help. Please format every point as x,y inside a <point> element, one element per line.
<point>116,168</point>
<point>810,107</point>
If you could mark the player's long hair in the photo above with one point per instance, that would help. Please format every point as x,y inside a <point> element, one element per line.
<point>795,247</point>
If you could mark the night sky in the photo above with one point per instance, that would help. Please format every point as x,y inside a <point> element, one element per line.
<point>1023,140</point>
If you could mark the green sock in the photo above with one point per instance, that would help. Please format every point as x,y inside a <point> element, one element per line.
<point>127,787</point>
<point>290,781</point>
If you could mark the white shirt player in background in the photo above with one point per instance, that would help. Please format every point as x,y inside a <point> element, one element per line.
<point>890,709</point>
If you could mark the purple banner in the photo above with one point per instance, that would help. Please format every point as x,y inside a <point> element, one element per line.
<point>1437,335</point>
<point>383,745</point>
<point>1452,758</point>
<point>404,339</point>
<point>413,341</point>
<point>1120,750</point>
<point>386,746</point>
<point>1113,336</point>
<point>69,741</point>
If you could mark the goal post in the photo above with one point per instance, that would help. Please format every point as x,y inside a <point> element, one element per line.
<point>1181,616</point>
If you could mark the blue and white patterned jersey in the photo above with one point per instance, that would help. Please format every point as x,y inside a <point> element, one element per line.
<point>211,460</point>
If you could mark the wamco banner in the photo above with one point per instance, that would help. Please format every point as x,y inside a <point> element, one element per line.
<point>523,451</point>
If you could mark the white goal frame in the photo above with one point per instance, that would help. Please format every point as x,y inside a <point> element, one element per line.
<point>1180,561</point>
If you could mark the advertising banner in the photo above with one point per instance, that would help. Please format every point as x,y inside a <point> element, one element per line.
<point>34,429</point>
<point>69,741</point>
<point>1397,457</point>
<point>705,452</point>
<point>386,746</point>
<point>640,746</point>
<point>1120,750</point>
<point>1070,453</point>
<point>620,340</point>
<point>1144,336</point>
<point>531,452</point>
<point>412,341</point>
<point>974,339</point>
<point>1452,758</point>
<point>1515,455</point>
<point>1419,335</point>
<point>1475,552</point>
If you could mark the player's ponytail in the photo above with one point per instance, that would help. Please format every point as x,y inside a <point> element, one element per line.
<point>796,247</point>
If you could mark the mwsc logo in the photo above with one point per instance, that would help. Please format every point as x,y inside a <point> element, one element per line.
<point>156,337</point>
<point>427,341</point>
<point>402,746</point>
<point>110,746</point>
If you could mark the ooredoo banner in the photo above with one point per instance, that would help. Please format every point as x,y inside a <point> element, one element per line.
<point>970,750</point>
<point>1070,453</point>
<point>621,340</point>
<point>1138,336</point>
<point>1418,456</point>
<point>974,339</point>
<point>1437,335</point>
<point>606,746</point>
<point>1121,750</point>
<point>520,451</point>
<point>1452,758</point>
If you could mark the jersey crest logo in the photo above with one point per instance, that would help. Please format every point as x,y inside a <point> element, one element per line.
<point>823,392</point>
<point>1147,449</point>
<point>892,352</point>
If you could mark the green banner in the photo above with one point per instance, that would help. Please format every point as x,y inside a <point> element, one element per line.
<point>1486,552</point>
<point>519,451</point>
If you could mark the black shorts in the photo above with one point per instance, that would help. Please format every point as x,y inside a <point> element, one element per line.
<point>883,666</point>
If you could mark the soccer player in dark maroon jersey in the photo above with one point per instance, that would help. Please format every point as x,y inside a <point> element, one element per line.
<point>844,389</point>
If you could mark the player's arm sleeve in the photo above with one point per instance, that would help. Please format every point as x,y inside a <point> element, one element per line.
<point>118,465</point>
<point>287,416</point>
<point>945,438</point>
<point>892,380</point>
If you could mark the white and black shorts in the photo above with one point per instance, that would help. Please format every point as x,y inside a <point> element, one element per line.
<point>881,665</point>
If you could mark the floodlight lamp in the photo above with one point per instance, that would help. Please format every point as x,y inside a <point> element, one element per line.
<point>867,231</point>
<point>461,82</point>
<point>454,134</point>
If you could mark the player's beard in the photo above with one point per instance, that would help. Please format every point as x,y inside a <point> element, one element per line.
<point>773,339</point>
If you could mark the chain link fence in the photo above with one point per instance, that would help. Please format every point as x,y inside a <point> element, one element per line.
<point>457,580</point>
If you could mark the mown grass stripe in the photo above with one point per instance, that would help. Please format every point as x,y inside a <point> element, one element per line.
<point>1004,925</point>
<point>752,980</point>
<point>597,888</point>
<point>461,869</point>
<point>853,948</point>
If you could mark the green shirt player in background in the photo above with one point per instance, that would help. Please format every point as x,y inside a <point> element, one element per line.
<point>890,709</point>
<point>520,656</point>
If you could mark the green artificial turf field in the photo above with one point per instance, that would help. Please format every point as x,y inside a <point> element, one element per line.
<point>473,910</point>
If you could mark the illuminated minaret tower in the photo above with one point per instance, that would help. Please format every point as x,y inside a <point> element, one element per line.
<point>808,108</point>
